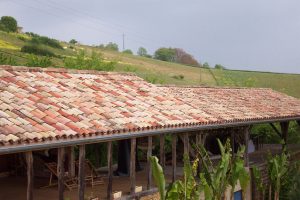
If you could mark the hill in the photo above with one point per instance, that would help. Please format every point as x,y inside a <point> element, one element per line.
<point>156,71</point>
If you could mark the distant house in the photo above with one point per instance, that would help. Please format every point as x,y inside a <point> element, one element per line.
<point>19,29</point>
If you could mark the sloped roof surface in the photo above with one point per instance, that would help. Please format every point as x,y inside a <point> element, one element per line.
<point>44,104</point>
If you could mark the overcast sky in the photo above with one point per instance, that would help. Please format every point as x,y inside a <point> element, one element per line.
<point>239,34</point>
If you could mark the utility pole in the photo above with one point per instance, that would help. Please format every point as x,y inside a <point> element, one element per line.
<point>123,36</point>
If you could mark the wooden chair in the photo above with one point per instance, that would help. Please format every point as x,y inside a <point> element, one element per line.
<point>70,183</point>
<point>91,175</point>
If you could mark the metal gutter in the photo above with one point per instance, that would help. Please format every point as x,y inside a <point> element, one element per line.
<point>9,149</point>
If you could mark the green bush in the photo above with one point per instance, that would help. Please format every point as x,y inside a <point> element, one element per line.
<point>95,62</point>
<point>7,60</point>
<point>35,61</point>
<point>127,51</point>
<point>9,24</point>
<point>178,77</point>
<point>37,50</point>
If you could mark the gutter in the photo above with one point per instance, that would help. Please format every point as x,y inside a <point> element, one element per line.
<point>122,136</point>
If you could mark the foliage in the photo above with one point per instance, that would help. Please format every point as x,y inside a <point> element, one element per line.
<point>278,171</point>
<point>154,79</point>
<point>73,41</point>
<point>35,61</point>
<point>165,54</point>
<point>46,41</point>
<point>178,77</point>
<point>127,51</point>
<point>7,60</point>
<point>185,58</point>
<point>142,52</point>
<point>214,180</point>
<point>218,66</point>
<point>206,65</point>
<point>9,24</point>
<point>112,46</point>
<point>129,68</point>
<point>95,62</point>
<point>257,177</point>
<point>37,50</point>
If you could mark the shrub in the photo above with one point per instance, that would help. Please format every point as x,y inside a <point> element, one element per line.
<point>37,39</point>
<point>9,23</point>
<point>7,60</point>
<point>35,61</point>
<point>127,51</point>
<point>178,77</point>
<point>37,50</point>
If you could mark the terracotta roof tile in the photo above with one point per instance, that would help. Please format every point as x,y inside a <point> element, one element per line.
<point>40,104</point>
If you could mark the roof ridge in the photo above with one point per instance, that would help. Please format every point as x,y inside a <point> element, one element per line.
<point>60,70</point>
<point>212,87</point>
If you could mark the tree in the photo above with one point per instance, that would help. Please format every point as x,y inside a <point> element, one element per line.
<point>165,54</point>
<point>218,66</point>
<point>127,51</point>
<point>112,46</point>
<point>185,58</point>
<point>9,23</point>
<point>206,65</point>
<point>142,52</point>
<point>73,41</point>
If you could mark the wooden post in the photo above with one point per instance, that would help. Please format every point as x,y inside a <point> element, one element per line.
<point>29,163</point>
<point>284,133</point>
<point>71,162</point>
<point>132,166</point>
<point>162,150</point>
<point>149,172</point>
<point>232,142</point>
<point>174,160</point>
<point>110,170</point>
<point>186,144</point>
<point>60,172</point>
<point>246,138</point>
<point>198,143</point>
<point>81,172</point>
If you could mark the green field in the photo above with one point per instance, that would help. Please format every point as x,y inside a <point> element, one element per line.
<point>160,72</point>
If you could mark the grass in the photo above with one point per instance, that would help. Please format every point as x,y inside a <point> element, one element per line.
<point>161,72</point>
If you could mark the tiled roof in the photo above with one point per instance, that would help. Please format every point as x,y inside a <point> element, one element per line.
<point>39,105</point>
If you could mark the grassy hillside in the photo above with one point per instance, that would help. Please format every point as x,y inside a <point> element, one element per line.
<point>160,72</point>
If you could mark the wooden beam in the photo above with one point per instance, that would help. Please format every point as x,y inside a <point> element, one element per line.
<point>174,156</point>
<point>284,133</point>
<point>132,165</point>
<point>110,170</point>
<point>81,172</point>
<point>246,140</point>
<point>60,172</point>
<point>186,144</point>
<point>71,162</point>
<point>275,129</point>
<point>149,170</point>
<point>29,164</point>
<point>162,150</point>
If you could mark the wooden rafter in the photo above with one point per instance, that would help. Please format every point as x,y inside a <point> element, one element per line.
<point>275,129</point>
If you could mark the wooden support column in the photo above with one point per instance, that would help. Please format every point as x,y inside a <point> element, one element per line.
<point>246,140</point>
<point>60,172</point>
<point>132,165</point>
<point>71,162</point>
<point>199,143</point>
<point>284,133</point>
<point>232,142</point>
<point>81,172</point>
<point>29,164</point>
<point>149,171</point>
<point>186,144</point>
<point>110,170</point>
<point>162,150</point>
<point>174,156</point>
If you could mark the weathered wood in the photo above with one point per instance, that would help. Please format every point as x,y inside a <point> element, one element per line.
<point>275,129</point>
<point>110,170</point>
<point>71,162</point>
<point>162,151</point>
<point>132,165</point>
<point>284,132</point>
<point>81,172</point>
<point>29,165</point>
<point>232,142</point>
<point>60,172</point>
<point>186,144</point>
<point>174,156</point>
<point>149,171</point>
<point>246,140</point>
